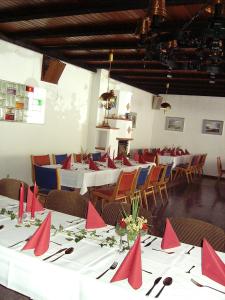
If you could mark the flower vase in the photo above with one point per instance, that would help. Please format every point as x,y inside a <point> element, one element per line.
<point>130,241</point>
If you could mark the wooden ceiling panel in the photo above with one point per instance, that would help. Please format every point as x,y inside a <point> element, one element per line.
<point>84,32</point>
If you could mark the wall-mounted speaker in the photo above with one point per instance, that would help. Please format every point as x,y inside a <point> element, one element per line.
<point>51,69</point>
<point>156,102</point>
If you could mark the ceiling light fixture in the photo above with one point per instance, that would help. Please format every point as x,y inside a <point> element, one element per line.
<point>165,105</point>
<point>199,47</point>
<point>108,99</point>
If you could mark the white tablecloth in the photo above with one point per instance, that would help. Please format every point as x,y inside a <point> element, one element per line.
<point>73,277</point>
<point>175,160</point>
<point>81,177</point>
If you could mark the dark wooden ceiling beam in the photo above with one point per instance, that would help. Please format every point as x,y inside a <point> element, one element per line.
<point>173,80</point>
<point>74,31</point>
<point>93,46</point>
<point>28,12</point>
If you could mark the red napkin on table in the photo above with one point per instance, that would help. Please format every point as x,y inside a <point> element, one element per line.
<point>131,267</point>
<point>212,266</point>
<point>136,156</point>
<point>170,239</point>
<point>103,157</point>
<point>94,220</point>
<point>111,163</point>
<point>92,165</point>
<point>141,160</point>
<point>126,161</point>
<point>30,198</point>
<point>41,238</point>
<point>67,163</point>
<point>186,151</point>
<point>21,202</point>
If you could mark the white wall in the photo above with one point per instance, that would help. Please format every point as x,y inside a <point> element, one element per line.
<point>194,109</point>
<point>67,108</point>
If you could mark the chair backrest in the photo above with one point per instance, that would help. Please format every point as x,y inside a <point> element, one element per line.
<point>113,212</point>
<point>10,187</point>
<point>168,172</point>
<point>39,160</point>
<point>77,157</point>
<point>96,156</point>
<point>47,178</point>
<point>125,183</point>
<point>192,231</point>
<point>142,176</point>
<point>67,202</point>
<point>219,165</point>
<point>58,158</point>
<point>153,175</point>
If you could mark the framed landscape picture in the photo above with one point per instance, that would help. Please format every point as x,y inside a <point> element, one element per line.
<point>212,127</point>
<point>174,124</point>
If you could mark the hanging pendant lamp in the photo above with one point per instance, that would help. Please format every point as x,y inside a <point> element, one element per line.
<point>165,105</point>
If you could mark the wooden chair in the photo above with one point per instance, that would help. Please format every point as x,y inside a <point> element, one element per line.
<point>149,186</point>
<point>220,169</point>
<point>47,179</point>
<point>96,156</point>
<point>58,158</point>
<point>113,212</point>
<point>192,231</point>
<point>184,169</point>
<point>123,190</point>
<point>141,178</point>
<point>67,202</point>
<point>150,157</point>
<point>162,183</point>
<point>10,187</point>
<point>39,160</point>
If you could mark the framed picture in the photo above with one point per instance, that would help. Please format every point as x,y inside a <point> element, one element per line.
<point>212,127</point>
<point>174,124</point>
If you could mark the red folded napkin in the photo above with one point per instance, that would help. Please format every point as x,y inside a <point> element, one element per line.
<point>21,202</point>
<point>186,151</point>
<point>94,220</point>
<point>111,163</point>
<point>92,165</point>
<point>126,161</point>
<point>136,156</point>
<point>182,152</point>
<point>131,267</point>
<point>212,266</point>
<point>119,157</point>
<point>141,160</point>
<point>103,157</point>
<point>30,198</point>
<point>67,163</point>
<point>33,206</point>
<point>41,238</point>
<point>170,239</point>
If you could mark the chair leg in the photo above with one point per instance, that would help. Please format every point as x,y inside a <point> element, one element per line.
<point>160,193</point>
<point>166,193</point>
<point>145,199</point>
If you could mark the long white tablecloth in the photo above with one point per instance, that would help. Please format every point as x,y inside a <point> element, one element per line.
<point>81,177</point>
<point>175,160</point>
<point>73,277</point>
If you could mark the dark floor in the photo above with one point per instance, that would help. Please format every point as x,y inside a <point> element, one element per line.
<point>204,199</point>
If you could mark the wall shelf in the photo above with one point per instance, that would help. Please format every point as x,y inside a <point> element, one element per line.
<point>117,118</point>
<point>124,139</point>
<point>100,148</point>
<point>107,128</point>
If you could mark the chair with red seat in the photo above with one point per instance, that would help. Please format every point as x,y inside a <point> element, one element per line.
<point>201,164</point>
<point>162,183</point>
<point>123,189</point>
<point>149,186</point>
<point>39,160</point>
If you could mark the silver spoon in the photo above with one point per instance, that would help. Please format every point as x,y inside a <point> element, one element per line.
<point>67,251</point>
<point>166,282</point>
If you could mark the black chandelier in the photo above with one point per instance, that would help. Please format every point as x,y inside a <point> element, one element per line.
<point>195,46</point>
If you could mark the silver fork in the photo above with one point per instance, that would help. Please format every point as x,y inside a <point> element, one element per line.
<point>112,267</point>
<point>201,285</point>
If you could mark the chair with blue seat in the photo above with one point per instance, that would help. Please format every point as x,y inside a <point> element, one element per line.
<point>141,179</point>
<point>96,156</point>
<point>47,179</point>
<point>58,158</point>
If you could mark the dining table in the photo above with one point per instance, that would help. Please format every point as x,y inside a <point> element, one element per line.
<point>175,160</point>
<point>81,177</point>
<point>76,274</point>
